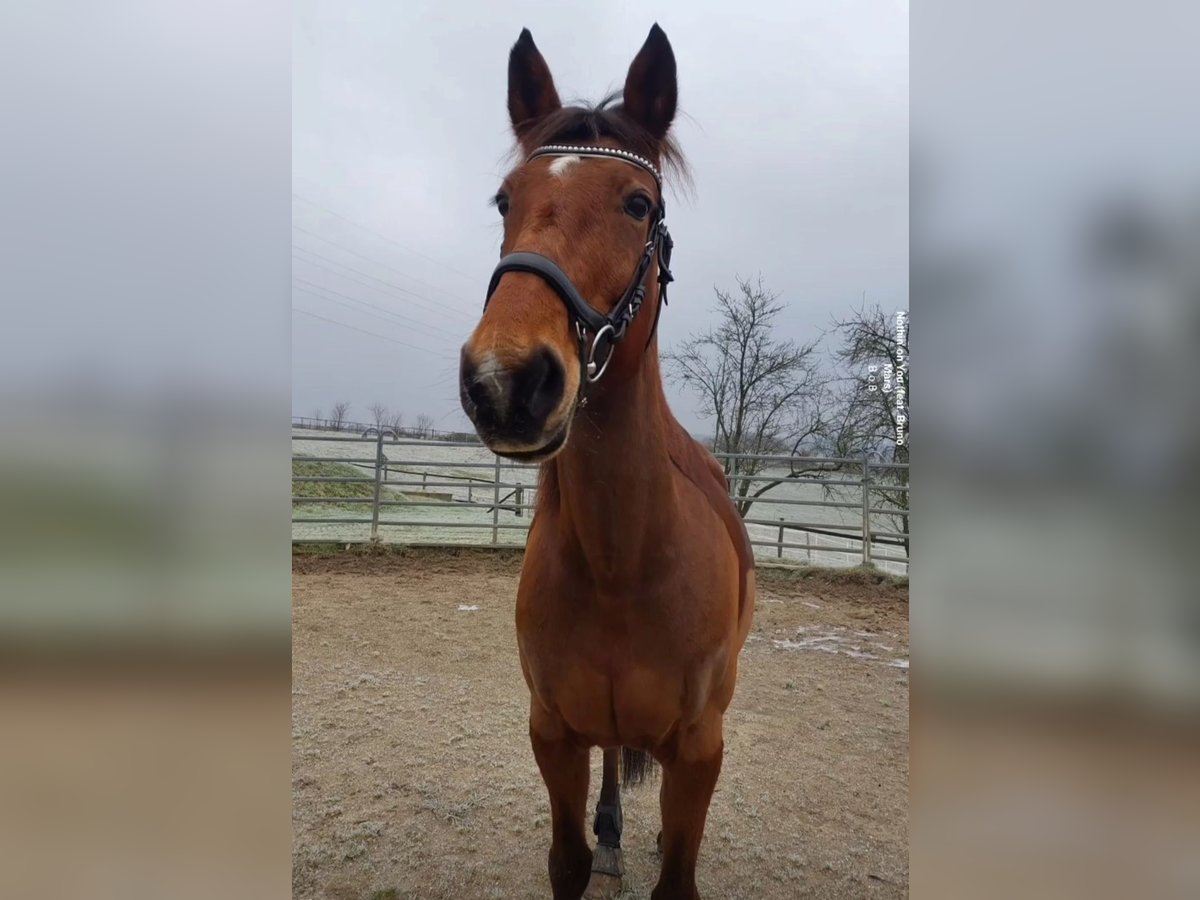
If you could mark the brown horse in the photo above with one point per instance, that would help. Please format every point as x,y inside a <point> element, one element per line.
<point>638,584</point>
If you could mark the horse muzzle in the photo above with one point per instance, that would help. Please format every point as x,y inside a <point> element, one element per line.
<point>517,407</point>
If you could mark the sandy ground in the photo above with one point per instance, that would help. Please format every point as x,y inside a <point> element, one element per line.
<point>413,778</point>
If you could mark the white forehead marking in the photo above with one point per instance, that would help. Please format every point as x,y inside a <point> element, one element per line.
<point>559,166</point>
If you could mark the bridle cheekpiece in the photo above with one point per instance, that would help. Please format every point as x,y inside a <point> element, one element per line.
<point>606,329</point>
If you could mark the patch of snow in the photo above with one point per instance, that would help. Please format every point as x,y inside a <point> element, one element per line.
<point>835,639</point>
<point>462,607</point>
<point>805,644</point>
<point>859,654</point>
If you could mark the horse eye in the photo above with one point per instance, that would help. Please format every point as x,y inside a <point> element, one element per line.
<point>501,202</point>
<point>638,206</point>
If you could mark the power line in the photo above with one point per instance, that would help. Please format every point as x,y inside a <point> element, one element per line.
<point>424,302</point>
<point>364,331</point>
<point>363,312</point>
<point>380,234</point>
<point>381,309</point>
<point>440,308</point>
<point>377,262</point>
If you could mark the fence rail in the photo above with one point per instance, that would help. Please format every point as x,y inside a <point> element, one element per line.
<point>340,425</point>
<point>828,511</point>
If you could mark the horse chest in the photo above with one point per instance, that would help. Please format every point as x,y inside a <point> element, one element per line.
<point>614,684</point>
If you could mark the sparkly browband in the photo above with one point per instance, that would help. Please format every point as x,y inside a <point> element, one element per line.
<point>623,155</point>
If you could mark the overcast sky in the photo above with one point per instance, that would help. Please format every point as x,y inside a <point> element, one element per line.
<point>794,117</point>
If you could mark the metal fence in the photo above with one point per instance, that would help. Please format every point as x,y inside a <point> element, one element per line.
<point>383,487</point>
<point>357,428</point>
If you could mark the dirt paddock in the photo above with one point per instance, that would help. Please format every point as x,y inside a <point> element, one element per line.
<point>413,777</point>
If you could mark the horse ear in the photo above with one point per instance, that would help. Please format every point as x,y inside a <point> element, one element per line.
<point>531,93</point>
<point>650,87</point>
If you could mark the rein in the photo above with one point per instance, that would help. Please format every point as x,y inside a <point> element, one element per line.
<point>606,329</point>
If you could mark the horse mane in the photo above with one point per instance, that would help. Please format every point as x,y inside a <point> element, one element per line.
<point>588,123</point>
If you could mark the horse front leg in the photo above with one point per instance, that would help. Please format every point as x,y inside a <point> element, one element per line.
<point>563,762</point>
<point>689,777</point>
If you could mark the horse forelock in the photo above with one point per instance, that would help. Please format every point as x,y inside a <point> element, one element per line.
<point>607,121</point>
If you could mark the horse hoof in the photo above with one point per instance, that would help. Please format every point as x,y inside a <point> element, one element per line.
<point>658,844</point>
<point>608,861</point>
<point>602,887</point>
<point>607,871</point>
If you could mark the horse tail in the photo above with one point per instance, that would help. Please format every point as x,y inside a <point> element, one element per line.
<point>636,766</point>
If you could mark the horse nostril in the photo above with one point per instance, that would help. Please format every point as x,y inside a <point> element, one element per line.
<point>477,399</point>
<point>538,387</point>
<point>478,393</point>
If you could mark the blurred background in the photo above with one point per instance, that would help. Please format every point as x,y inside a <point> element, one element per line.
<point>1055,617</point>
<point>144,393</point>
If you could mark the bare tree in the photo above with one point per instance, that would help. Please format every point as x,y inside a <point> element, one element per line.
<point>872,409</point>
<point>875,396</point>
<point>766,395</point>
<point>338,414</point>
<point>424,425</point>
<point>396,422</point>
<point>380,412</point>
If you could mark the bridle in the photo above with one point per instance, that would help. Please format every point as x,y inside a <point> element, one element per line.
<point>607,330</point>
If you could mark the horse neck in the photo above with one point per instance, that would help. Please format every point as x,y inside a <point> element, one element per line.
<point>613,478</point>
